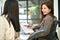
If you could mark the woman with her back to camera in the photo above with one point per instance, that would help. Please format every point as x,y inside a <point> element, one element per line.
<point>11,9</point>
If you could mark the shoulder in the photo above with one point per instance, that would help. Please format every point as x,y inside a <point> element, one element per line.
<point>48,17</point>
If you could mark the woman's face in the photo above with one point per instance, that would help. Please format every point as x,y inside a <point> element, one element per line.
<point>45,9</point>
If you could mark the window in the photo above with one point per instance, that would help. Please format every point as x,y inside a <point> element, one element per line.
<point>30,11</point>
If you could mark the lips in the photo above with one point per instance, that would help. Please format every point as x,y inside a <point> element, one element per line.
<point>44,12</point>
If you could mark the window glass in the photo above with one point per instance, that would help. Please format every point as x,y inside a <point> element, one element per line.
<point>29,11</point>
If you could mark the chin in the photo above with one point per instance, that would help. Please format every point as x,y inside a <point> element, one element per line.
<point>44,13</point>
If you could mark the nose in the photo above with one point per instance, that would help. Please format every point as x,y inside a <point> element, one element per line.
<point>42,10</point>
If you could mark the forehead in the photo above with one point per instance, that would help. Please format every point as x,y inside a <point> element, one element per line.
<point>44,6</point>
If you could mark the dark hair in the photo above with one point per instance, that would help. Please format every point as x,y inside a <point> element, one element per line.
<point>12,10</point>
<point>50,6</point>
<point>11,7</point>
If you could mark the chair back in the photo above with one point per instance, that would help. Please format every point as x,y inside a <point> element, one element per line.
<point>52,33</point>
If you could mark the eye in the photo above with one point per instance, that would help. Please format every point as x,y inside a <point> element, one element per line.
<point>44,8</point>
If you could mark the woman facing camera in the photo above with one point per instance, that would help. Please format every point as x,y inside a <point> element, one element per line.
<point>46,20</point>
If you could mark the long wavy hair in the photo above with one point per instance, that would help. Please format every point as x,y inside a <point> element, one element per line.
<point>50,6</point>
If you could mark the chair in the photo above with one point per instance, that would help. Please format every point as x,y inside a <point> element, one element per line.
<point>50,36</point>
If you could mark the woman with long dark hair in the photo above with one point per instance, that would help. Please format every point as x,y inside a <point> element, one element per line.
<point>11,9</point>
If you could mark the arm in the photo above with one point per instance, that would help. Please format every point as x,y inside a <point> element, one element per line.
<point>46,26</point>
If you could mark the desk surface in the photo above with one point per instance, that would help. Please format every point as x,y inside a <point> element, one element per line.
<point>24,32</point>
<point>24,37</point>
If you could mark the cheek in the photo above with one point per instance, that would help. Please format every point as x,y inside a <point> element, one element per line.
<point>46,12</point>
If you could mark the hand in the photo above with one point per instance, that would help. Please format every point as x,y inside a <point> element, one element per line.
<point>32,27</point>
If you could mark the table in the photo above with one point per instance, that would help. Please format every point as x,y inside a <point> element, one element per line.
<point>24,32</point>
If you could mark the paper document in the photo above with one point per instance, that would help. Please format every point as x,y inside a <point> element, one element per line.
<point>27,30</point>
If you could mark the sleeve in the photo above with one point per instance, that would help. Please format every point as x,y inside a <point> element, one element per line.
<point>46,26</point>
